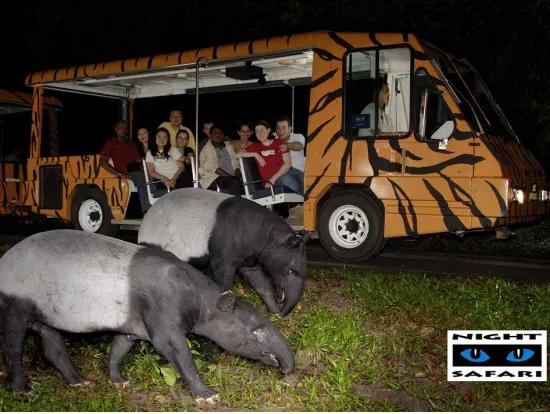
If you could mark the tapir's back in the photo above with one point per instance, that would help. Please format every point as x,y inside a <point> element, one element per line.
<point>181,222</point>
<point>79,281</point>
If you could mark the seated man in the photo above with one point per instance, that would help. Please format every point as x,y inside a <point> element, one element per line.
<point>295,144</point>
<point>219,165</point>
<point>123,152</point>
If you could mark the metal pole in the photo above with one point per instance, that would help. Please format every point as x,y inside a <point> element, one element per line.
<point>197,64</point>
<point>292,86</point>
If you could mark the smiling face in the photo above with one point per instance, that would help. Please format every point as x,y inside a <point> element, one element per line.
<point>176,118</point>
<point>161,138</point>
<point>262,133</point>
<point>283,129</point>
<point>216,135</point>
<point>244,133</point>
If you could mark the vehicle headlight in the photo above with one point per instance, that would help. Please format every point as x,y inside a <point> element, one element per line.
<point>518,195</point>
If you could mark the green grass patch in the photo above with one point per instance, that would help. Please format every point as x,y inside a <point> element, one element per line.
<point>363,341</point>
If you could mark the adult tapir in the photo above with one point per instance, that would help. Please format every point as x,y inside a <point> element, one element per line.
<point>81,282</point>
<point>234,235</point>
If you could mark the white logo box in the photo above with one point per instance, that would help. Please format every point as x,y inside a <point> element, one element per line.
<point>497,373</point>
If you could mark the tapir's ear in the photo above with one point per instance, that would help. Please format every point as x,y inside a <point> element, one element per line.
<point>226,301</point>
<point>298,238</point>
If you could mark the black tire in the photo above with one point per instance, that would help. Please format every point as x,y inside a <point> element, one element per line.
<point>362,237</point>
<point>90,212</point>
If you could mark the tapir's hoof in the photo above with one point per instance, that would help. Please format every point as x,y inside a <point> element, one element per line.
<point>21,386</point>
<point>208,400</point>
<point>121,384</point>
<point>82,383</point>
<point>226,301</point>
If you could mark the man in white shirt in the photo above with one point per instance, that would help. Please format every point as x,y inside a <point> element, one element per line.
<point>295,144</point>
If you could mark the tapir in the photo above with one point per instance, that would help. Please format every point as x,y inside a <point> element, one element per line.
<point>81,282</point>
<point>233,236</point>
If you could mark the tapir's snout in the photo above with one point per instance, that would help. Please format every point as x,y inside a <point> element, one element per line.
<point>275,349</point>
<point>248,333</point>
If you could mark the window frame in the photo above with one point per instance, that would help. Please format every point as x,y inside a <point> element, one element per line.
<point>377,65</point>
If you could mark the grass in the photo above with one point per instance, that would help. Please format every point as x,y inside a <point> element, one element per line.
<point>363,341</point>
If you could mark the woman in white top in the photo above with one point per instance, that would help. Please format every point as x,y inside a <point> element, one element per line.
<point>161,160</point>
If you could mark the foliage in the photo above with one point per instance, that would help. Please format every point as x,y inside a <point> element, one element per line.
<point>363,341</point>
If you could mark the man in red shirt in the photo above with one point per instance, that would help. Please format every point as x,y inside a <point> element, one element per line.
<point>120,150</point>
<point>123,152</point>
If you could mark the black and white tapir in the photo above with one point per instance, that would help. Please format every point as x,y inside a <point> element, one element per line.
<point>233,235</point>
<point>81,282</point>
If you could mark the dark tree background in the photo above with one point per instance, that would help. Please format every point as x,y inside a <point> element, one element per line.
<point>508,41</point>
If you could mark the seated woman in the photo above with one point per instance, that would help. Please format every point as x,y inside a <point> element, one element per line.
<point>244,132</point>
<point>186,152</point>
<point>161,162</point>
<point>272,161</point>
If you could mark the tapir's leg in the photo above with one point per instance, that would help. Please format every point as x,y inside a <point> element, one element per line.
<point>173,346</point>
<point>119,349</point>
<point>257,279</point>
<point>56,352</point>
<point>15,320</point>
<point>224,275</point>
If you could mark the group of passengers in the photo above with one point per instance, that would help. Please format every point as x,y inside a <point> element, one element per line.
<point>279,156</point>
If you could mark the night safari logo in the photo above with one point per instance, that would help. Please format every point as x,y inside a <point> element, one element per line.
<point>496,356</point>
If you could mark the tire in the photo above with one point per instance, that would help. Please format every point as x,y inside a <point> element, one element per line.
<point>351,227</point>
<point>90,212</point>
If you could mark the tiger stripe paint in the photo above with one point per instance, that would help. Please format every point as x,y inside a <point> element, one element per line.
<point>422,188</point>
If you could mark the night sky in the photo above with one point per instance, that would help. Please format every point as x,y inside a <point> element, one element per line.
<point>506,40</point>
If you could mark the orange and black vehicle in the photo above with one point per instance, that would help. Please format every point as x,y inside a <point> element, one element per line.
<point>403,139</point>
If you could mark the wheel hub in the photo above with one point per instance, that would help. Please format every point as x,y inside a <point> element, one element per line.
<point>349,226</point>
<point>90,215</point>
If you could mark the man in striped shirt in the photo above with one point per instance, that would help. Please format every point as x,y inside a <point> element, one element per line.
<point>218,165</point>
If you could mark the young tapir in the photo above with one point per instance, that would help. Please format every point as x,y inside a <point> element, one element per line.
<point>81,282</point>
<point>233,235</point>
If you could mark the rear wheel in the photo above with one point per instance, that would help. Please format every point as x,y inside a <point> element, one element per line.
<point>90,212</point>
<point>351,227</point>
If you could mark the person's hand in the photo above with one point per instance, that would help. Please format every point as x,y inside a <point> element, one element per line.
<point>268,184</point>
<point>284,147</point>
<point>168,184</point>
<point>260,159</point>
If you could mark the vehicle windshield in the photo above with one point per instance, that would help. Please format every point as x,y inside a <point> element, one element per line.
<point>475,100</point>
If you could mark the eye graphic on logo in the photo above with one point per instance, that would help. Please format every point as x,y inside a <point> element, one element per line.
<point>475,355</point>
<point>520,355</point>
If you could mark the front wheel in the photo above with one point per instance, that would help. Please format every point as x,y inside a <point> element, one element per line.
<point>90,212</point>
<point>351,227</point>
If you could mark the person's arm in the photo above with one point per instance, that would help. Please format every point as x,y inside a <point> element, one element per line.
<point>247,154</point>
<point>295,146</point>
<point>104,162</point>
<point>297,143</point>
<point>282,171</point>
<point>154,174</point>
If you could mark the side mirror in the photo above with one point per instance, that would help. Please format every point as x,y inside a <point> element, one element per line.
<point>443,133</point>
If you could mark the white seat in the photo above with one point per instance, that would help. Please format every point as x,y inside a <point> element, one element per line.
<point>148,183</point>
<point>260,195</point>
